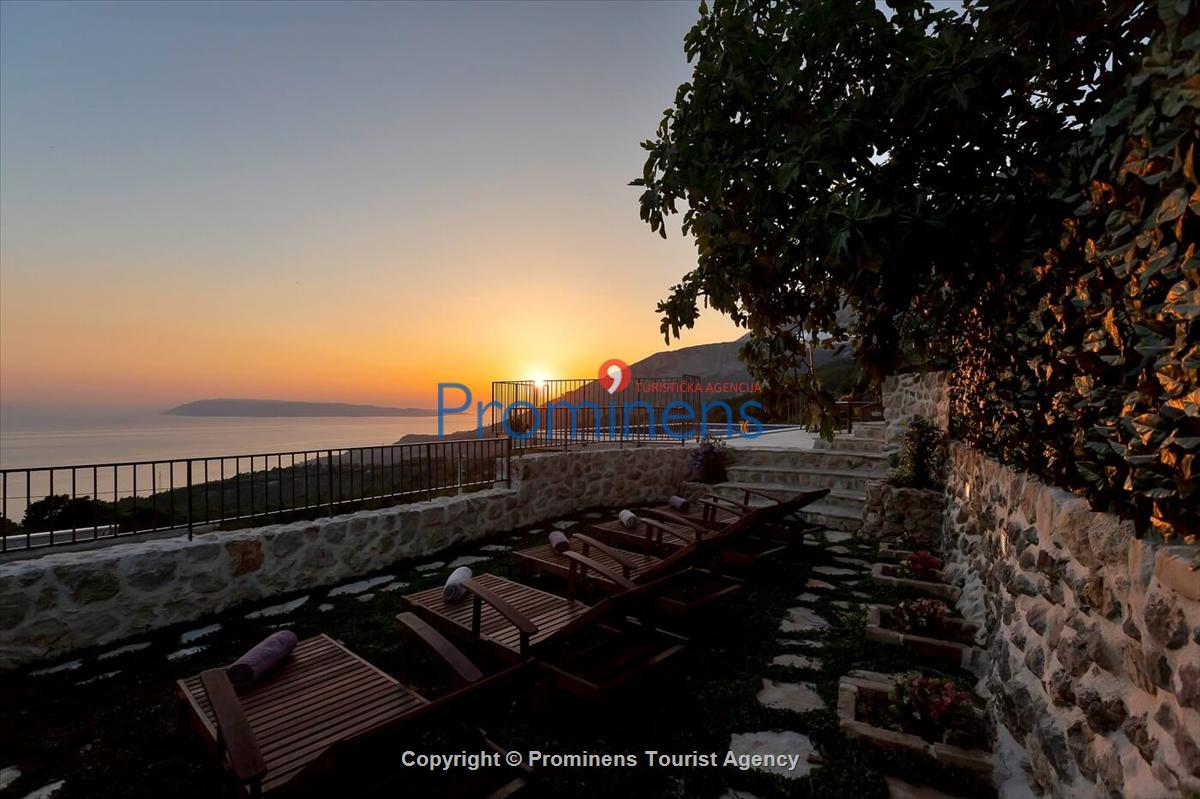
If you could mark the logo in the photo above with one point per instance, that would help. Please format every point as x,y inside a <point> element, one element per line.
<point>614,375</point>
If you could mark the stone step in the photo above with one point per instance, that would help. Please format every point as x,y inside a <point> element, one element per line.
<point>837,459</point>
<point>841,497</point>
<point>804,476</point>
<point>850,444</point>
<point>841,510</point>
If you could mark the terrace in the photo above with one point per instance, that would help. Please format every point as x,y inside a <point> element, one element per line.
<point>798,663</point>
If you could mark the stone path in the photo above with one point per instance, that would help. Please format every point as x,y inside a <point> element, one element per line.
<point>796,697</point>
<point>467,560</point>
<point>278,610</point>
<point>360,586</point>
<point>197,634</point>
<point>800,638</point>
<point>46,791</point>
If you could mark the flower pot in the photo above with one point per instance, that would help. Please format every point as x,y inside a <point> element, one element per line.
<point>889,553</point>
<point>855,692</point>
<point>954,648</point>
<point>885,574</point>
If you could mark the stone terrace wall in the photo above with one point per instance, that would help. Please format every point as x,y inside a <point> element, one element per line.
<point>57,603</point>
<point>913,394</point>
<point>1095,636</point>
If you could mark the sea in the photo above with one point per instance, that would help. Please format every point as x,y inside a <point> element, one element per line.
<point>55,441</point>
<point>42,441</point>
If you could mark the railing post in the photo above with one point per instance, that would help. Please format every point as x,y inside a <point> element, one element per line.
<point>189,504</point>
<point>429,471</point>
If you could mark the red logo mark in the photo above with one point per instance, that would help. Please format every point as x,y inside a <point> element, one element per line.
<point>614,375</point>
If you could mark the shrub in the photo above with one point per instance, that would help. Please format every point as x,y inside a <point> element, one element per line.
<point>922,456</point>
<point>709,459</point>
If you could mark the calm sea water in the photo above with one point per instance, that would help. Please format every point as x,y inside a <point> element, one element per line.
<point>66,442</point>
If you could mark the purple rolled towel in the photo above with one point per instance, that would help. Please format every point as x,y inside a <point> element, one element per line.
<point>559,542</point>
<point>455,590</point>
<point>679,503</point>
<point>628,519</point>
<point>266,656</point>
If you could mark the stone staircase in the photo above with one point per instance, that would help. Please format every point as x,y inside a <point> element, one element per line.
<point>844,466</point>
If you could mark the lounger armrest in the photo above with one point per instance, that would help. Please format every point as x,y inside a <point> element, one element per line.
<point>441,646</point>
<point>612,552</point>
<point>588,563</point>
<point>506,610</point>
<point>234,735</point>
<point>665,516</point>
<point>664,530</point>
<point>724,503</point>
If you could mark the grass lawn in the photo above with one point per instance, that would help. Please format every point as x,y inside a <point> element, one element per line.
<point>124,735</point>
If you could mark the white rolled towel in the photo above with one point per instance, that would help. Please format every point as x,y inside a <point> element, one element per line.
<point>455,590</point>
<point>628,520</point>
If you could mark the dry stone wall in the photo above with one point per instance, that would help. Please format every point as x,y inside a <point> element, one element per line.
<point>906,396</point>
<point>1094,635</point>
<point>57,603</point>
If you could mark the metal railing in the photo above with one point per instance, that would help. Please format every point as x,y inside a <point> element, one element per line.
<point>71,504</point>
<point>636,414</point>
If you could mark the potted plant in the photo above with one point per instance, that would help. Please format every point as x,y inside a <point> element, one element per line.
<point>907,543</point>
<point>709,459</point>
<point>918,714</point>
<point>919,571</point>
<point>912,498</point>
<point>927,628</point>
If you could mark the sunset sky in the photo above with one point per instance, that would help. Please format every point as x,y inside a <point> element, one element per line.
<point>324,202</point>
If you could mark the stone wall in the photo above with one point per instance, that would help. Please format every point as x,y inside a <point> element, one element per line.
<point>1094,635</point>
<point>890,510</point>
<point>57,603</point>
<point>913,394</point>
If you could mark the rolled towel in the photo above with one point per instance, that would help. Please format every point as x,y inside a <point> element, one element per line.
<point>266,656</point>
<point>628,519</point>
<point>559,542</point>
<point>679,503</point>
<point>455,590</point>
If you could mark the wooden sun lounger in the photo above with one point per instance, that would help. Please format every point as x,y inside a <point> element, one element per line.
<point>518,622</point>
<point>715,511</point>
<point>317,712</point>
<point>685,598</point>
<point>652,536</point>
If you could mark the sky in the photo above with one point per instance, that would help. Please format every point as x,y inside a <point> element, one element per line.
<point>328,202</point>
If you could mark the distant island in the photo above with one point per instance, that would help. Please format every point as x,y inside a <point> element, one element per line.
<point>265,408</point>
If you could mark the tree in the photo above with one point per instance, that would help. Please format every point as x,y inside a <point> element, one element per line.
<point>907,167</point>
<point>1009,191</point>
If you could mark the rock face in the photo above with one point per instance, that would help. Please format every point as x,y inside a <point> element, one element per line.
<point>57,603</point>
<point>1094,669</point>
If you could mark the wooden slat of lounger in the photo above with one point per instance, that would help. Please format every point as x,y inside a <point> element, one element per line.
<point>547,559</point>
<point>722,516</point>
<point>635,540</point>
<point>549,612</point>
<point>323,695</point>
